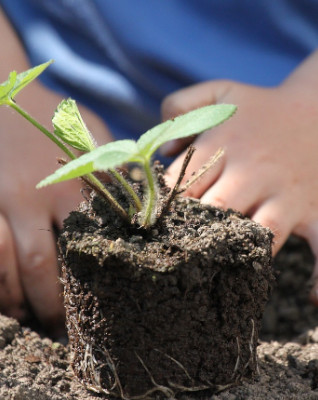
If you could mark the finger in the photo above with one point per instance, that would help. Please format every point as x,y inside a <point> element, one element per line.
<point>38,268</point>
<point>233,189</point>
<point>193,97</point>
<point>11,293</point>
<point>310,233</point>
<point>185,100</point>
<point>68,196</point>
<point>272,214</point>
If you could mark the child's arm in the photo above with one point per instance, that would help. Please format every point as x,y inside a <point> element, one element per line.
<point>270,167</point>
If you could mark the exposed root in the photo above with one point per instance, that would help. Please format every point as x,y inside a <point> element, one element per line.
<point>181,388</point>
<point>205,168</point>
<point>237,364</point>
<point>164,389</point>
<point>175,189</point>
<point>211,280</point>
<point>213,388</point>
<point>177,362</point>
<point>252,358</point>
<point>90,369</point>
<point>113,368</point>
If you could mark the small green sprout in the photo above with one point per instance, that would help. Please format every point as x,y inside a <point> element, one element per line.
<point>10,88</point>
<point>70,130</point>
<point>14,84</point>
<point>70,127</point>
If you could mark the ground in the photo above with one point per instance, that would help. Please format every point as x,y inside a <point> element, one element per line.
<point>33,367</point>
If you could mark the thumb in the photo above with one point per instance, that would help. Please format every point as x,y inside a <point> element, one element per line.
<point>187,99</point>
<point>192,97</point>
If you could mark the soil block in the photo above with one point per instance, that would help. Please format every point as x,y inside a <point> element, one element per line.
<point>173,309</point>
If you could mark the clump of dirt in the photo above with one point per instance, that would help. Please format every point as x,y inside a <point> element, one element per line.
<point>287,366</point>
<point>32,367</point>
<point>141,305</point>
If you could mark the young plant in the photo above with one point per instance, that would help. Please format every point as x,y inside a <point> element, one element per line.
<point>69,129</point>
<point>8,91</point>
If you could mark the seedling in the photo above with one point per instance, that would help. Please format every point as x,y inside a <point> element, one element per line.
<point>70,131</point>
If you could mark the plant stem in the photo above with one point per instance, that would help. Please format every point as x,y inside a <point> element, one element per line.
<point>89,178</point>
<point>128,188</point>
<point>54,139</point>
<point>148,215</point>
<point>99,188</point>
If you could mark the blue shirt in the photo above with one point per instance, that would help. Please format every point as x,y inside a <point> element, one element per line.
<point>121,58</point>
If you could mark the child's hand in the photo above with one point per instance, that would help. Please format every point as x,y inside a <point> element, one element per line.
<point>28,263</point>
<point>270,168</point>
<point>28,257</point>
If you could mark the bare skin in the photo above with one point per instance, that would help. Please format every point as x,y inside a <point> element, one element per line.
<point>28,259</point>
<point>269,171</point>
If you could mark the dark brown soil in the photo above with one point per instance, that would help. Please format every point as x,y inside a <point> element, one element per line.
<point>173,309</point>
<point>37,368</point>
<point>34,367</point>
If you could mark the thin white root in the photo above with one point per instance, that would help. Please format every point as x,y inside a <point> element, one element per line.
<point>177,362</point>
<point>206,167</point>
<point>164,389</point>
<point>236,367</point>
<point>251,348</point>
<point>90,368</point>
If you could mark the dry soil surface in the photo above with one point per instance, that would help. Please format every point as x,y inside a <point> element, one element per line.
<point>36,368</point>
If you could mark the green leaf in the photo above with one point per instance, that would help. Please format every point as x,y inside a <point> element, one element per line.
<point>70,127</point>
<point>191,123</point>
<point>6,87</point>
<point>26,77</point>
<point>114,154</point>
<point>108,156</point>
<point>16,82</point>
